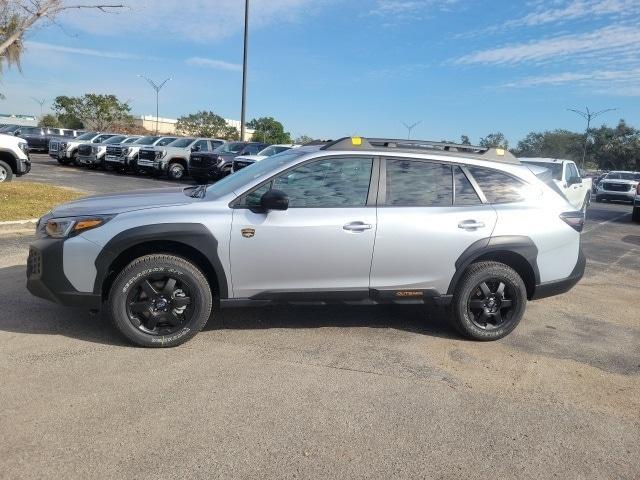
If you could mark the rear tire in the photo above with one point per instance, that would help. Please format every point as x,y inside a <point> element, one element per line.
<point>160,300</point>
<point>635,216</point>
<point>489,301</point>
<point>6,174</point>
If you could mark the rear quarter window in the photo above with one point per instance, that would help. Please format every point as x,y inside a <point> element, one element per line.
<point>498,187</point>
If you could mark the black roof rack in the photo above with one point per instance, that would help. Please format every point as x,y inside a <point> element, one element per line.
<point>441,148</point>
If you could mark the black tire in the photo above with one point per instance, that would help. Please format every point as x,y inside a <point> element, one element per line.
<point>176,171</point>
<point>480,322</point>
<point>147,316</point>
<point>74,159</point>
<point>598,199</point>
<point>635,216</point>
<point>6,174</point>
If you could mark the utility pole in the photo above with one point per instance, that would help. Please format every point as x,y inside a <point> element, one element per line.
<point>41,102</point>
<point>157,87</point>
<point>244,70</point>
<point>588,115</point>
<point>410,128</point>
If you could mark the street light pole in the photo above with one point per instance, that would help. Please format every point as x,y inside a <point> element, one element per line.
<point>588,116</point>
<point>41,102</point>
<point>157,87</point>
<point>244,69</point>
<point>411,127</point>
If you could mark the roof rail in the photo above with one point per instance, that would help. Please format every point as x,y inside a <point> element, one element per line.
<point>441,148</point>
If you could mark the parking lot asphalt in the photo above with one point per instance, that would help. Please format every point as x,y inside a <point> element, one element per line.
<point>331,392</point>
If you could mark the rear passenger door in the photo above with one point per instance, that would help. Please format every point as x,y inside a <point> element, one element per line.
<point>428,214</point>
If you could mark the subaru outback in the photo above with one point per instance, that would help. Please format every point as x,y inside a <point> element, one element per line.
<point>353,221</point>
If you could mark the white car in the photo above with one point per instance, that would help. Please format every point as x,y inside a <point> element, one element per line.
<point>246,160</point>
<point>14,157</point>
<point>567,178</point>
<point>618,185</point>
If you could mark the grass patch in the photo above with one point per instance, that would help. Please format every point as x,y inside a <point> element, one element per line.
<point>23,200</point>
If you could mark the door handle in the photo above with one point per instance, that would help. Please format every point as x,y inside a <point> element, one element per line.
<point>470,225</point>
<point>357,227</point>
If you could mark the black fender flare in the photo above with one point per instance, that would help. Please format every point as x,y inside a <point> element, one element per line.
<point>518,244</point>
<point>193,235</point>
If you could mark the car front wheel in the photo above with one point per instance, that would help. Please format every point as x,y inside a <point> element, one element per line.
<point>6,173</point>
<point>160,300</point>
<point>176,171</point>
<point>489,301</point>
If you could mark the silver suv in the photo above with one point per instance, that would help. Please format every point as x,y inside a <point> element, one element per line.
<point>354,221</point>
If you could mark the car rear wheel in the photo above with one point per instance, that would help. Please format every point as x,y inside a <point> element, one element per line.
<point>6,174</point>
<point>176,171</point>
<point>489,301</point>
<point>160,301</point>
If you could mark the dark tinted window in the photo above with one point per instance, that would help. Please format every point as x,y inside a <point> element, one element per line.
<point>201,146</point>
<point>465,193</point>
<point>30,131</point>
<point>331,182</point>
<point>413,183</point>
<point>67,133</point>
<point>252,149</point>
<point>253,198</point>
<point>497,187</point>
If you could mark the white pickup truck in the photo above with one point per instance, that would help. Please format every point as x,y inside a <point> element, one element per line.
<point>567,177</point>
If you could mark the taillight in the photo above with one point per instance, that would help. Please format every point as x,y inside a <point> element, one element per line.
<point>574,219</point>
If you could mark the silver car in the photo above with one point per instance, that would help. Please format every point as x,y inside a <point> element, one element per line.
<point>353,221</point>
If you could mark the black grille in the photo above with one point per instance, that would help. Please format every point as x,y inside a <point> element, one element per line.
<point>240,164</point>
<point>617,187</point>
<point>34,263</point>
<point>84,150</point>
<point>147,154</point>
<point>114,150</point>
<point>53,146</point>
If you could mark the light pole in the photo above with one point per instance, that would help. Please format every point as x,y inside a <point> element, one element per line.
<point>410,128</point>
<point>157,87</point>
<point>41,102</point>
<point>244,69</point>
<point>588,115</point>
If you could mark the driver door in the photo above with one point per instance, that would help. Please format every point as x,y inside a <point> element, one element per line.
<point>320,246</point>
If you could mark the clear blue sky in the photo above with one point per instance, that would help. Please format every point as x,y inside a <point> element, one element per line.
<point>329,68</point>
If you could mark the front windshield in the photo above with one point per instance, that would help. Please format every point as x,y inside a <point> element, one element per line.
<point>166,141</point>
<point>556,168</point>
<point>116,139</point>
<point>145,140</point>
<point>272,150</point>
<point>131,140</point>
<point>233,147</point>
<point>182,142</point>
<point>236,181</point>
<point>623,176</point>
<point>86,136</point>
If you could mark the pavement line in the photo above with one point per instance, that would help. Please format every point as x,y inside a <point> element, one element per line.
<point>587,230</point>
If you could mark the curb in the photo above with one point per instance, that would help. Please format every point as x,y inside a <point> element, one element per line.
<point>18,226</point>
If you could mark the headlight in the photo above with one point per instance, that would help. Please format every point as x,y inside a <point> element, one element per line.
<point>24,147</point>
<point>63,145</point>
<point>160,154</point>
<point>68,227</point>
<point>125,150</point>
<point>94,149</point>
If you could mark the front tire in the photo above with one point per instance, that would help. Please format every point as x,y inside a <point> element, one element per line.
<point>489,301</point>
<point>176,171</point>
<point>160,300</point>
<point>6,174</point>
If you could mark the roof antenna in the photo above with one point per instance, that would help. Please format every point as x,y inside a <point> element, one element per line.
<point>410,127</point>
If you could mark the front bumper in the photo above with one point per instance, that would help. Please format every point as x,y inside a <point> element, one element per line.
<point>24,166</point>
<point>46,278</point>
<point>557,287</point>
<point>89,160</point>
<point>611,195</point>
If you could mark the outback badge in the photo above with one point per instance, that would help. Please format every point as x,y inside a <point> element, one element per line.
<point>248,232</point>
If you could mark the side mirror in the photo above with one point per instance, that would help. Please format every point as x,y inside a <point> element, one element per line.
<point>274,200</point>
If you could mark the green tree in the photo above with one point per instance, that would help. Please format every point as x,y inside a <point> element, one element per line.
<point>93,111</point>
<point>615,148</point>
<point>464,140</point>
<point>268,130</point>
<point>302,139</point>
<point>206,124</point>
<point>49,120</point>
<point>551,144</point>
<point>494,140</point>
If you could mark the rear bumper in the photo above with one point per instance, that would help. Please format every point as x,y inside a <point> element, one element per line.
<point>46,279</point>
<point>557,287</point>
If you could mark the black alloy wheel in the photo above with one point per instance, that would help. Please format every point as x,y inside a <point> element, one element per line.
<point>491,304</point>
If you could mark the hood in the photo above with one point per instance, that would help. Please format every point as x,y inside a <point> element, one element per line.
<point>10,139</point>
<point>112,203</point>
<point>251,158</point>
<point>619,181</point>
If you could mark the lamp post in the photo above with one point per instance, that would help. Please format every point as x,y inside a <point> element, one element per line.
<point>41,102</point>
<point>244,70</point>
<point>588,115</point>
<point>410,128</point>
<point>157,87</point>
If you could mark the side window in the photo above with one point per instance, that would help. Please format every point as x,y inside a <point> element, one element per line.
<point>498,187</point>
<point>201,146</point>
<point>253,199</point>
<point>465,194</point>
<point>413,183</point>
<point>572,171</point>
<point>326,183</point>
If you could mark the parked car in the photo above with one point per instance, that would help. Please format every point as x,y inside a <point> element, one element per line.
<point>11,129</point>
<point>14,157</point>
<point>66,150</point>
<point>618,185</point>
<point>243,160</point>
<point>38,138</point>
<point>567,178</point>
<point>467,228</point>
<point>205,166</point>
<point>172,160</point>
<point>125,157</point>
<point>635,216</point>
<point>92,154</point>
<point>596,182</point>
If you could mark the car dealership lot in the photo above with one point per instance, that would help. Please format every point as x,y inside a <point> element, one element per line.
<point>374,392</point>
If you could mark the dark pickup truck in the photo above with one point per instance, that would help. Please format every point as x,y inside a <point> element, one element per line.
<point>206,166</point>
<point>38,137</point>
